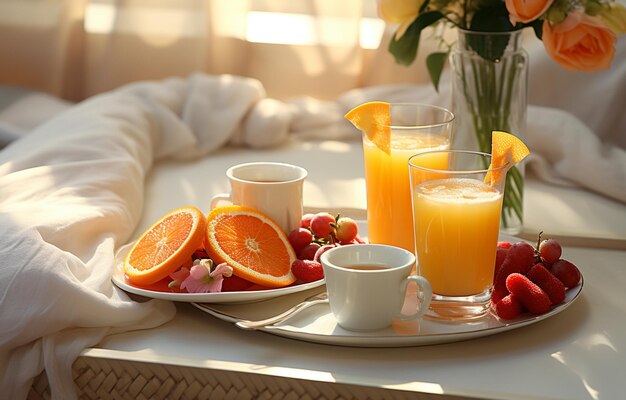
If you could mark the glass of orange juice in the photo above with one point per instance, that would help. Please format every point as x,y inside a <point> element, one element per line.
<point>457,217</point>
<point>414,128</point>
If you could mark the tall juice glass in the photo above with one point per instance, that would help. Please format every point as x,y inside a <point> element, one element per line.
<point>414,128</point>
<point>457,217</point>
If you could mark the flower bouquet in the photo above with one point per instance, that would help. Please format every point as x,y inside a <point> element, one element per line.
<point>580,35</point>
<point>490,66</point>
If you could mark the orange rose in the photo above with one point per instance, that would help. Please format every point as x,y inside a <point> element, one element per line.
<point>580,43</point>
<point>526,10</point>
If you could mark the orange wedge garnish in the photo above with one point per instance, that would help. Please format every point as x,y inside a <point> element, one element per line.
<point>252,244</point>
<point>374,119</point>
<point>165,246</point>
<point>506,151</point>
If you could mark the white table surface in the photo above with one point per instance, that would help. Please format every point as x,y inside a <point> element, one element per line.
<point>577,354</point>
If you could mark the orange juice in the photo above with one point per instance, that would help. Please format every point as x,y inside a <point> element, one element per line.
<point>389,212</point>
<point>457,221</point>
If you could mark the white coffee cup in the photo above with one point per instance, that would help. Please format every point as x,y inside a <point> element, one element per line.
<point>273,188</point>
<point>370,299</point>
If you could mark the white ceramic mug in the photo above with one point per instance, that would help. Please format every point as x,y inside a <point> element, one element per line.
<point>273,188</point>
<point>367,285</point>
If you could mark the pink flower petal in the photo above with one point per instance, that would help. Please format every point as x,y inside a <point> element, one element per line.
<point>199,271</point>
<point>222,269</point>
<point>179,276</point>
<point>194,286</point>
<point>216,285</point>
<point>202,280</point>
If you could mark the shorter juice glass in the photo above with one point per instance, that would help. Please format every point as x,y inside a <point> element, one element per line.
<point>456,219</point>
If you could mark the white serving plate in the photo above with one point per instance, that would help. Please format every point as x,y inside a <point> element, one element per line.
<point>317,324</point>
<point>120,280</point>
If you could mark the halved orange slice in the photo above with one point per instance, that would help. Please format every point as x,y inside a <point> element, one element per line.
<point>252,244</point>
<point>505,149</point>
<point>374,119</point>
<point>165,246</point>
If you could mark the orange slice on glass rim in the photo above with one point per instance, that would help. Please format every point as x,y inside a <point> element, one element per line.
<point>252,244</point>
<point>165,246</point>
<point>374,119</point>
<point>506,149</point>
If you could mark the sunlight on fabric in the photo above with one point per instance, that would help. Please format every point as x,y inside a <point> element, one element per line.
<point>99,18</point>
<point>103,17</point>
<point>301,29</point>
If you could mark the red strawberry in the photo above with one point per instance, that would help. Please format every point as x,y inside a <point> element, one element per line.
<point>554,288</point>
<point>519,258</point>
<point>509,307</point>
<point>307,270</point>
<point>501,253</point>
<point>532,297</point>
<point>504,245</point>
<point>498,294</point>
<point>566,272</point>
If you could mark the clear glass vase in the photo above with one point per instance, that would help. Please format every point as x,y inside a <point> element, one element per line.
<point>489,93</point>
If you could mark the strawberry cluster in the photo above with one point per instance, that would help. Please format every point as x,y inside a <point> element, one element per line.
<point>530,279</point>
<point>317,234</point>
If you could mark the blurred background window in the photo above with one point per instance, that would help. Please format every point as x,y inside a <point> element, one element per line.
<point>73,49</point>
<point>77,48</point>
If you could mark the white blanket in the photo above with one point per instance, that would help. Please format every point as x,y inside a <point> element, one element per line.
<point>71,193</point>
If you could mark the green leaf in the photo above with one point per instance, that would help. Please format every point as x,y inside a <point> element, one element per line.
<point>435,63</point>
<point>404,50</point>
<point>490,19</point>
<point>537,26</point>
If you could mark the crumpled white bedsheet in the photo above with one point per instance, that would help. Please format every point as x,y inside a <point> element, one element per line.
<point>71,194</point>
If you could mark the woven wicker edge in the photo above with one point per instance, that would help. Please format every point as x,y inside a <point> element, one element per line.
<point>98,378</point>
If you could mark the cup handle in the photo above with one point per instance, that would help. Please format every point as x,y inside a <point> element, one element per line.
<point>220,197</point>
<point>424,295</point>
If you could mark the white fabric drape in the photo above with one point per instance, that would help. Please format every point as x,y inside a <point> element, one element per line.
<point>71,193</point>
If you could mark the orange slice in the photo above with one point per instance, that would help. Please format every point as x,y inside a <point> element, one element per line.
<point>252,244</point>
<point>165,246</point>
<point>374,119</point>
<point>505,149</point>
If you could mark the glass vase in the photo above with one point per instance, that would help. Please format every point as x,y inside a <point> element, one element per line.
<point>489,93</point>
